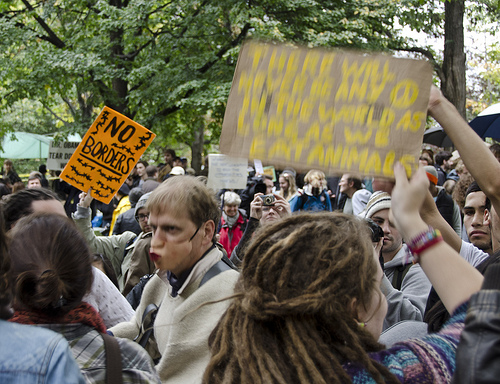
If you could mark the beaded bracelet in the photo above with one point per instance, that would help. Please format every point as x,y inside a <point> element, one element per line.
<point>424,241</point>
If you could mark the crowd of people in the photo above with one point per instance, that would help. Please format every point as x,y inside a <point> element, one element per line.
<point>296,278</point>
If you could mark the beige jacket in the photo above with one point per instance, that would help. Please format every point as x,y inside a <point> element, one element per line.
<point>184,323</point>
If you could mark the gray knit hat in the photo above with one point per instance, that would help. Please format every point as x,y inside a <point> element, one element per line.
<point>378,201</point>
<point>142,202</point>
<point>134,196</point>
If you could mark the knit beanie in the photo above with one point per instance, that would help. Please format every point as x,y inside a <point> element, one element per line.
<point>378,201</point>
<point>142,202</point>
<point>124,189</point>
<point>134,196</point>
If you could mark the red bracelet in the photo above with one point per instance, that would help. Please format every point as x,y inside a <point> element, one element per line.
<point>424,241</point>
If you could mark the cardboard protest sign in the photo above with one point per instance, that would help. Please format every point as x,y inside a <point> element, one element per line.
<point>226,172</point>
<point>259,168</point>
<point>270,171</point>
<point>60,154</point>
<point>108,152</point>
<point>329,110</point>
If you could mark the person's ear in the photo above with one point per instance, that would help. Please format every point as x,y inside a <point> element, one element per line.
<point>487,217</point>
<point>354,309</point>
<point>208,232</point>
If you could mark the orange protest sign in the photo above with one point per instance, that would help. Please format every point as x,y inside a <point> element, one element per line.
<point>108,152</point>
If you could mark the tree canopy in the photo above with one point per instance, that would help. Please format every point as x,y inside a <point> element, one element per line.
<point>166,64</point>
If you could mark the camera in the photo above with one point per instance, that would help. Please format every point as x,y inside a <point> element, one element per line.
<point>259,186</point>
<point>268,200</point>
<point>376,232</point>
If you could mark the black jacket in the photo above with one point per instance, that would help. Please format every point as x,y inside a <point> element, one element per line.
<point>478,353</point>
<point>445,206</point>
<point>126,222</point>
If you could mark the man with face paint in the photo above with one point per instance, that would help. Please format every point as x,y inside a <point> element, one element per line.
<point>194,281</point>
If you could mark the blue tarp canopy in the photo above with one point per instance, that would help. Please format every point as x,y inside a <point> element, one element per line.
<point>24,145</point>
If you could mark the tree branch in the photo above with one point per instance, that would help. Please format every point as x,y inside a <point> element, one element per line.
<point>130,56</point>
<point>226,48</point>
<point>70,106</point>
<point>426,53</point>
<point>52,37</point>
<point>159,9</point>
<point>207,66</point>
<point>55,114</point>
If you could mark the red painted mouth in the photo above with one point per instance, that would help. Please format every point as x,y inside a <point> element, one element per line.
<point>154,256</point>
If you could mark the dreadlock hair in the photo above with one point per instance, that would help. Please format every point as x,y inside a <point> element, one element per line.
<point>292,318</point>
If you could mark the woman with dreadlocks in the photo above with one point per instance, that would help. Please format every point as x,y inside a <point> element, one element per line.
<point>308,307</point>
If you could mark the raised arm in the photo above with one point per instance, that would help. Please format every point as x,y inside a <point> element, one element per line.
<point>111,246</point>
<point>454,279</point>
<point>480,162</point>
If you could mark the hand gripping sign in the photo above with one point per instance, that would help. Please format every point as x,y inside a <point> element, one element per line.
<point>330,110</point>
<point>107,154</point>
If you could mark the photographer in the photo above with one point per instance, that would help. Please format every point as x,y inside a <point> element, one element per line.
<point>314,197</point>
<point>263,209</point>
<point>255,184</point>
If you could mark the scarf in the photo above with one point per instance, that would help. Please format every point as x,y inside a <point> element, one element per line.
<point>83,313</point>
<point>230,221</point>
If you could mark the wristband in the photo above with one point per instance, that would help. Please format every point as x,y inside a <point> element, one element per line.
<point>424,241</point>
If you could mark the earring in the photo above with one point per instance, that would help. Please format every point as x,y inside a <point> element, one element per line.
<point>362,325</point>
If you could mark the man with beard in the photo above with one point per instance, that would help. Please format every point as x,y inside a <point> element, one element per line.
<point>405,285</point>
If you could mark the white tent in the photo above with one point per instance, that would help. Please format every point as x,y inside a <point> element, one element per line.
<point>23,145</point>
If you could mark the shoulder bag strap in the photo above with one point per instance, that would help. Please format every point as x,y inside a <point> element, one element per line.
<point>113,360</point>
<point>222,265</point>
<point>147,328</point>
<point>399,274</point>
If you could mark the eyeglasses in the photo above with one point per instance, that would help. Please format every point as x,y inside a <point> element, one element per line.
<point>141,217</point>
<point>194,234</point>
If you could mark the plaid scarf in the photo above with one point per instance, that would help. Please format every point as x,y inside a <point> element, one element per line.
<point>83,313</point>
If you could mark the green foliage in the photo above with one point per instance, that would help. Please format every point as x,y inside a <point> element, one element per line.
<point>167,64</point>
<point>485,88</point>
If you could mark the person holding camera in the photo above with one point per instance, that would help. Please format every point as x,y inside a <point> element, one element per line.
<point>405,286</point>
<point>263,209</point>
<point>255,184</point>
<point>314,197</point>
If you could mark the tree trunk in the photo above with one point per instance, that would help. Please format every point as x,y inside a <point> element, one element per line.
<point>453,80</point>
<point>197,148</point>
<point>120,86</point>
